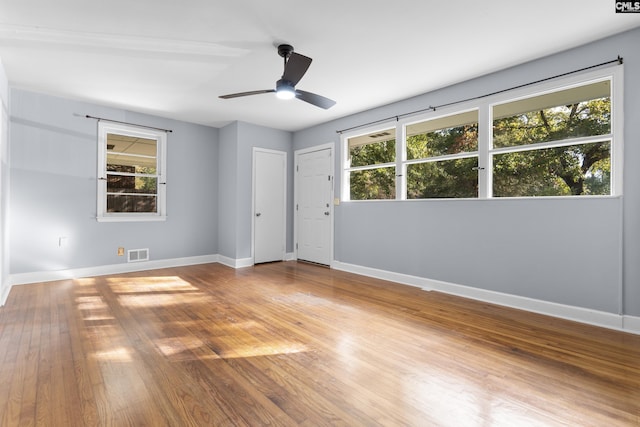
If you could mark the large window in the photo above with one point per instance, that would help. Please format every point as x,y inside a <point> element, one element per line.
<point>558,138</point>
<point>131,177</point>
<point>554,144</point>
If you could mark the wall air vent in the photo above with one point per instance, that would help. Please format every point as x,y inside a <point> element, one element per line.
<point>137,255</point>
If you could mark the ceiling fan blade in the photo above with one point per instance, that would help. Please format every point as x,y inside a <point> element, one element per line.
<point>317,100</point>
<point>254,92</point>
<point>295,68</point>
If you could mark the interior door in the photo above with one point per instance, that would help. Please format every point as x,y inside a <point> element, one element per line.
<point>269,220</point>
<point>314,191</point>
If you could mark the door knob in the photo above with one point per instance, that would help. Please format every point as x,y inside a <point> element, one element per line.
<point>258,214</point>
<point>327,213</point>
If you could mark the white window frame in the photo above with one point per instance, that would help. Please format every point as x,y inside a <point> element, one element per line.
<point>346,165</point>
<point>486,151</point>
<point>615,137</point>
<point>435,115</point>
<point>104,128</point>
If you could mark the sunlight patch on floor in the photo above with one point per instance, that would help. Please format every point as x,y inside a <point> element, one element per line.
<point>180,348</point>
<point>156,291</point>
<point>85,281</point>
<point>123,285</point>
<point>270,349</point>
<point>97,318</point>
<point>93,302</point>
<point>118,354</point>
<point>187,348</point>
<point>164,300</point>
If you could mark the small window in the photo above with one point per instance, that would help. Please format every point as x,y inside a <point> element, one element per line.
<point>442,157</point>
<point>131,179</point>
<point>371,165</point>
<point>554,144</point>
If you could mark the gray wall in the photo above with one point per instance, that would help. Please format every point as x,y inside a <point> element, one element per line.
<point>53,161</point>
<point>53,188</point>
<point>237,141</point>
<point>580,252</point>
<point>227,191</point>
<point>4,185</point>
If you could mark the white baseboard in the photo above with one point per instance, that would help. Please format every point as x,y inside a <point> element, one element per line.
<point>248,262</point>
<point>629,324</point>
<point>4,294</point>
<point>103,270</point>
<point>235,263</point>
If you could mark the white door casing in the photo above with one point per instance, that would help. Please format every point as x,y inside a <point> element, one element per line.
<point>314,204</point>
<point>269,205</point>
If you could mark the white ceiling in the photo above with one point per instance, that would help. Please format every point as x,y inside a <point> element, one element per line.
<point>174,58</point>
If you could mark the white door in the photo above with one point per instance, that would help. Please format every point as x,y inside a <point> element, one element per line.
<point>269,205</point>
<point>314,191</point>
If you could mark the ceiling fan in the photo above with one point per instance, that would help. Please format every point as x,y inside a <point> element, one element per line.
<point>295,66</point>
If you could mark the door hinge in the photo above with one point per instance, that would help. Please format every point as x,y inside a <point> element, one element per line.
<point>329,177</point>
<point>296,246</point>
<point>297,168</point>
<point>296,207</point>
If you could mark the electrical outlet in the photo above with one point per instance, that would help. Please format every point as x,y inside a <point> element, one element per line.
<point>120,251</point>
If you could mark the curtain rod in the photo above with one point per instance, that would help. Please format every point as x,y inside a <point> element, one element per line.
<point>434,108</point>
<point>126,123</point>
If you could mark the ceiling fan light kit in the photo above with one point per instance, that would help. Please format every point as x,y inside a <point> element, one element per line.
<point>295,66</point>
<point>285,90</point>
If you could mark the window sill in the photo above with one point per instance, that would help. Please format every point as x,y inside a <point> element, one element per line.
<point>466,199</point>
<point>131,218</point>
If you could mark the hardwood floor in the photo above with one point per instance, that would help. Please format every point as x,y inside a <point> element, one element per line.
<point>288,344</point>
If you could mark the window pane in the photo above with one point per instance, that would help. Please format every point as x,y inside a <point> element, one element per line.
<point>131,184</point>
<point>131,203</point>
<point>373,184</point>
<point>373,149</point>
<point>577,112</point>
<point>563,171</point>
<point>447,135</point>
<point>136,155</point>
<point>443,179</point>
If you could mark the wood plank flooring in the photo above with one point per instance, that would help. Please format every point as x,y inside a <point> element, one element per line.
<point>292,344</point>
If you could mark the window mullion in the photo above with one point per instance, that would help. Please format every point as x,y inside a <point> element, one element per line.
<point>401,167</point>
<point>553,144</point>
<point>143,175</point>
<point>463,155</point>
<point>141,156</point>
<point>114,193</point>
<point>485,160</point>
<point>371,166</point>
